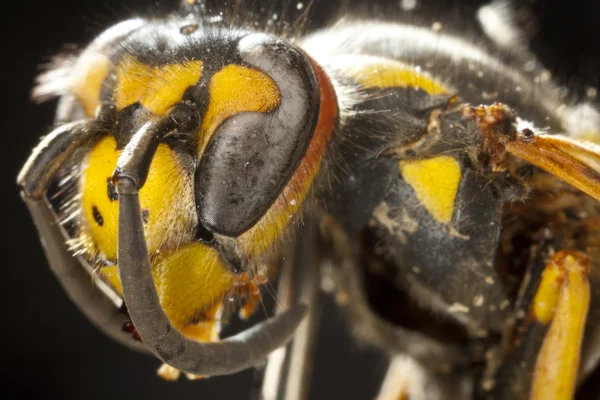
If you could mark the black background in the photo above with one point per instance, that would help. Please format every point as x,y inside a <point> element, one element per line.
<point>48,349</point>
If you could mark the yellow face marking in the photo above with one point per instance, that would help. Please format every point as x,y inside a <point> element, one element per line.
<point>156,88</point>
<point>190,278</point>
<point>89,74</point>
<point>233,90</point>
<point>435,182</point>
<point>190,281</point>
<point>167,200</point>
<point>382,73</point>
<point>556,369</point>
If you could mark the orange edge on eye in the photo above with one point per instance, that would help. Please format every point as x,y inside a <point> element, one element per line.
<point>326,123</point>
<point>269,228</point>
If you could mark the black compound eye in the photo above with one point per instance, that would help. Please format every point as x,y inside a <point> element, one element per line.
<point>252,155</point>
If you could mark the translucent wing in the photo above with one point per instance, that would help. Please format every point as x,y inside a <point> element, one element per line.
<point>576,162</point>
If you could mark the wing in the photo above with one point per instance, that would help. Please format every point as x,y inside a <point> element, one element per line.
<point>575,161</point>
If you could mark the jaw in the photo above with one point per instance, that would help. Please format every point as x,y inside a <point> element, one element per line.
<point>194,285</point>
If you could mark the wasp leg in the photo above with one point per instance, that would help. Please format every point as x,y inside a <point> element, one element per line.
<point>287,375</point>
<point>443,362</point>
<point>373,328</point>
<point>591,350</point>
<point>75,275</point>
<point>50,156</point>
<point>406,379</point>
<point>231,355</point>
<point>588,235</point>
<point>565,304</point>
<point>545,362</point>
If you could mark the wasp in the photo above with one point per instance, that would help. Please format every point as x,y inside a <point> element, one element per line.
<point>451,199</point>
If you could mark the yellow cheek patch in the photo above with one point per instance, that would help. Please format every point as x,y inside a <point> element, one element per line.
<point>155,88</point>
<point>435,182</point>
<point>381,74</point>
<point>233,90</point>
<point>89,74</point>
<point>166,200</point>
<point>191,282</point>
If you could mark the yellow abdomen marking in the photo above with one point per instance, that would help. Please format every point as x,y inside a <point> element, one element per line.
<point>235,89</point>
<point>167,200</point>
<point>375,72</point>
<point>435,182</point>
<point>155,88</point>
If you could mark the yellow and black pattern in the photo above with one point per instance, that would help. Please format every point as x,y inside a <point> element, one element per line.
<point>409,160</point>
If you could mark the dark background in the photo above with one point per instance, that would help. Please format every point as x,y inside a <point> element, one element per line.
<point>48,349</point>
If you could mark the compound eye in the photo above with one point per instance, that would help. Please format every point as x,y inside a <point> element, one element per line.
<point>252,155</point>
